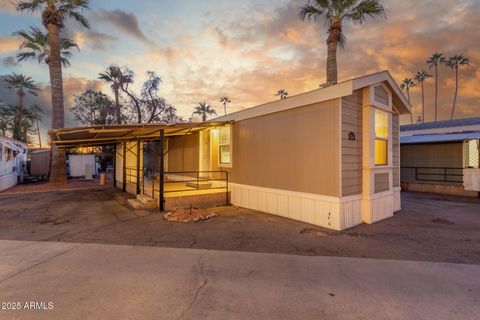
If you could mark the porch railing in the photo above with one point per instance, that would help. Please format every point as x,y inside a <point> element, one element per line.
<point>184,181</point>
<point>437,174</point>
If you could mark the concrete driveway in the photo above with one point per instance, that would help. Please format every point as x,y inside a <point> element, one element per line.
<point>429,228</point>
<point>94,281</point>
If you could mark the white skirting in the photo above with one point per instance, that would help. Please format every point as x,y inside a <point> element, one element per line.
<point>325,211</point>
<point>378,207</point>
<point>397,200</point>
<point>8,181</point>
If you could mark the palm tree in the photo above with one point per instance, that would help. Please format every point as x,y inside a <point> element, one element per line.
<point>225,101</point>
<point>333,14</point>
<point>204,109</point>
<point>421,76</point>
<point>171,113</point>
<point>113,75</point>
<point>283,94</point>
<point>456,62</point>
<point>433,62</point>
<point>36,112</point>
<point>54,15</point>
<point>35,46</point>
<point>5,118</point>
<point>20,84</point>
<point>406,84</point>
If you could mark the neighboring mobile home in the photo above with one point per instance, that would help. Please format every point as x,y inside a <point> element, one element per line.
<point>441,157</point>
<point>329,157</point>
<point>13,155</point>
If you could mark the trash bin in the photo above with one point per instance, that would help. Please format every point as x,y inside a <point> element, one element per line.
<point>102,179</point>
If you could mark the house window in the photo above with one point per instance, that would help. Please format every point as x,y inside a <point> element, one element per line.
<point>1,152</point>
<point>224,145</point>
<point>8,154</point>
<point>381,138</point>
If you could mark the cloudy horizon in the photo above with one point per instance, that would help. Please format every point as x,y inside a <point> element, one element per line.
<point>249,50</point>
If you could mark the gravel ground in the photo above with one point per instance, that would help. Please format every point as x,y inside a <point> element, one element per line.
<point>429,228</point>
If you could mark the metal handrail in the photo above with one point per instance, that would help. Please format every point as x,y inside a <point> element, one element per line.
<point>196,180</point>
<point>443,174</point>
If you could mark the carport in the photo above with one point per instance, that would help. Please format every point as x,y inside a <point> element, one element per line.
<point>141,152</point>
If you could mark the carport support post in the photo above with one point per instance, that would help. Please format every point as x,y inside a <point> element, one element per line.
<point>124,166</point>
<point>161,198</point>
<point>138,167</point>
<point>114,165</point>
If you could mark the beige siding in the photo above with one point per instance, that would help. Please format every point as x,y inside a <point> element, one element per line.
<point>183,153</point>
<point>381,183</point>
<point>352,150</point>
<point>296,150</point>
<point>381,95</point>
<point>396,150</point>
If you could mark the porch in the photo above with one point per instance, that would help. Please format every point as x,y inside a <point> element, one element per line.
<point>164,165</point>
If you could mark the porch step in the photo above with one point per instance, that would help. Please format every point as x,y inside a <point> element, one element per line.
<point>142,202</point>
<point>146,199</point>
<point>200,185</point>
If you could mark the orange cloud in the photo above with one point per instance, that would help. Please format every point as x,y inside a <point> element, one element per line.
<point>9,44</point>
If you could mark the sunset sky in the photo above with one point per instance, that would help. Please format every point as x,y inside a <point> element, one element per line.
<point>247,50</point>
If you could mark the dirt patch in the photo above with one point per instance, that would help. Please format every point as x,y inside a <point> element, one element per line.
<point>443,221</point>
<point>315,232</point>
<point>189,215</point>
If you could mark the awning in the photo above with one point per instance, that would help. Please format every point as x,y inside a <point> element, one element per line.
<point>445,137</point>
<point>112,134</point>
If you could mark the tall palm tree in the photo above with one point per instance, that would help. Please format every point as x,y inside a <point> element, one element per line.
<point>204,110</point>
<point>455,63</point>
<point>421,76</point>
<point>5,118</point>
<point>20,84</point>
<point>54,15</point>
<point>433,62</point>
<point>34,45</point>
<point>36,112</point>
<point>113,75</point>
<point>406,84</point>
<point>333,14</point>
<point>282,93</point>
<point>225,101</point>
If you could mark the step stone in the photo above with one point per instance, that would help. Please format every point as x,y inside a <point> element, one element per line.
<point>146,199</point>
<point>139,205</point>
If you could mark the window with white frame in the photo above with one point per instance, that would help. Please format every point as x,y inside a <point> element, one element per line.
<point>381,138</point>
<point>224,146</point>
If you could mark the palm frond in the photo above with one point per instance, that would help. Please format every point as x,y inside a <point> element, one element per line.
<point>365,11</point>
<point>30,6</point>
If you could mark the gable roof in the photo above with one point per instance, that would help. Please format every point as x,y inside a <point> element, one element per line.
<point>341,89</point>
<point>441,124</point>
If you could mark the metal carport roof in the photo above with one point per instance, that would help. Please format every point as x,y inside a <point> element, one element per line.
<point>445,137</point>
<point>112,134</point>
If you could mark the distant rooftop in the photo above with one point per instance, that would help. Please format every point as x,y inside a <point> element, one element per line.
<point>441,124</point>
<point>445,137</point>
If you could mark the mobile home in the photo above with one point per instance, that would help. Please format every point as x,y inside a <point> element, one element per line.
<point>13,155</point>
<point>329,157</point>
<point>441,157</point>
